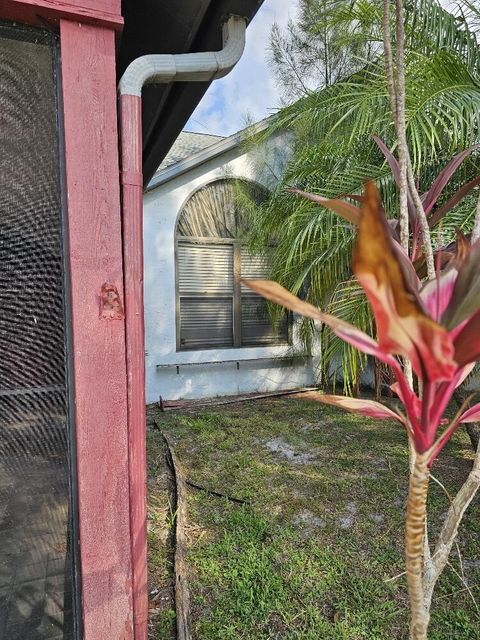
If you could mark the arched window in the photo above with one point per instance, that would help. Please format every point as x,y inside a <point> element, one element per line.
<point>213,309</point>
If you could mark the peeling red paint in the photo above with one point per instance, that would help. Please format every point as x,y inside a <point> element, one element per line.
<point>111,307</point>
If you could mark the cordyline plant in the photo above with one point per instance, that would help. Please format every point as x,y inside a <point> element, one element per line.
<point>347,207</point>
<point>437,328</point>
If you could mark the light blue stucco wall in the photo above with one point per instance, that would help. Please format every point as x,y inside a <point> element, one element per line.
<point>183,379</point>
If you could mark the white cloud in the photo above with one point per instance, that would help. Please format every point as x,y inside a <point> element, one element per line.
<point>249,91</point>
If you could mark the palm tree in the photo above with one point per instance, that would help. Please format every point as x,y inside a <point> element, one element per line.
<point>334,153</point>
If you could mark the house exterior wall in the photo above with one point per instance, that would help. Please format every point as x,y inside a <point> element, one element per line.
<point>229,371</point>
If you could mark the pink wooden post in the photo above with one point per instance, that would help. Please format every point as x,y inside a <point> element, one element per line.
<point>93,200</point>
<point>110,422</point>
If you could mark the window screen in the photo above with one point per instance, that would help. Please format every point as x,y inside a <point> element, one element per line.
<point>36,566</point>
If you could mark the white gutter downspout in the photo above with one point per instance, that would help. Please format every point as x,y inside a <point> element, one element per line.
<point>152,69</point>
<point>186,67</point>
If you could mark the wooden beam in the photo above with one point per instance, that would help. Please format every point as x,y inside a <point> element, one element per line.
<point>132,200</point>
<point>106,13</point>
<point>94,235</point>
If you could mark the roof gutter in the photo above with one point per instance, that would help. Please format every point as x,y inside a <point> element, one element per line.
<point>165,68</point>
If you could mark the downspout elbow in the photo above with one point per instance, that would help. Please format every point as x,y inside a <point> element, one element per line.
<point>187,67</point>
<point>234,44</point>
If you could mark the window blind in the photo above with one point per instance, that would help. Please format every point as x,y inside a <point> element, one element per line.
<point>205,292</point>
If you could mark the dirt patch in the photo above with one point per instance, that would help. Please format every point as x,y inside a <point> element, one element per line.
<point>285,450</point>
<point>308,520</point>
<point>346,521</point>
<point>378,518</point>
<point>306,427</point>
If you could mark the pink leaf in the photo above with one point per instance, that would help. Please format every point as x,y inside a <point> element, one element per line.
<point>410,401</point>
<point>471,415</point>
<point>432,195</point>
<point>464,373</point>
<point>442,396</point>
<point>368,408</point>
<point>467,342</point>
<point>436,293</point>
<point>402,324</point>
<point>278,294</point>
<point>442,211</point>
<point>347,211</point>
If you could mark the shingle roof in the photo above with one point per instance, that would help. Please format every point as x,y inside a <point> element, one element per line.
<point>186,145</point>
<point>193,149</point>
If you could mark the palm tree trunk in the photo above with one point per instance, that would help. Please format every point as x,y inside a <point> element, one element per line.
<point>414,537</point>
<point>473,428</point>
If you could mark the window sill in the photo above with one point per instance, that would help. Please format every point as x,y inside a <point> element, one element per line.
<point>232,355</point>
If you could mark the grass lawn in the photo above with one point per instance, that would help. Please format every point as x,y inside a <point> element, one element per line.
<point>312,555</point>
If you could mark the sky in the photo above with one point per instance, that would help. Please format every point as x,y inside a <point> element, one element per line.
<point>248,93</point>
